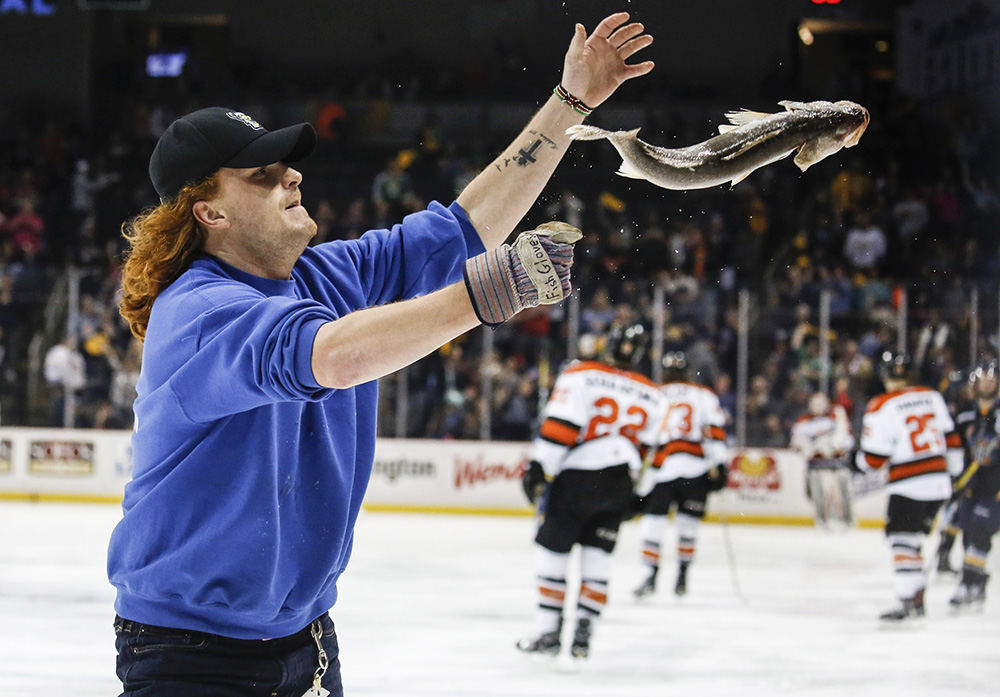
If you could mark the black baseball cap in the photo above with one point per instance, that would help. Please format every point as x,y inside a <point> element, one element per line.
<point>195,146</point>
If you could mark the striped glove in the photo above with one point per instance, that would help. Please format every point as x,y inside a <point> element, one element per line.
<point>533,271</point>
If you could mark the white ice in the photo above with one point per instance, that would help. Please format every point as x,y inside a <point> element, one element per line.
<point>432,605</point>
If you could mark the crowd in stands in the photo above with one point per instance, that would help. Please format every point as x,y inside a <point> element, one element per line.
<point>905,220</point>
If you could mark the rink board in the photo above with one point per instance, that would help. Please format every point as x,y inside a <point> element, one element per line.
<point>765,485</point>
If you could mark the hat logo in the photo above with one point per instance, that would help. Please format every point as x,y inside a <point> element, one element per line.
<point>240,116</point>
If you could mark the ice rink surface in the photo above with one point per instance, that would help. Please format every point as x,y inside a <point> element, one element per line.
<point>432,605</point>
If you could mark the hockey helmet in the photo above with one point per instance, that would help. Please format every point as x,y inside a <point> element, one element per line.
<point>626,346</point>
<point>819,404</point>
<point>675,366</point>
<point>895,366</point>
<point>985,380</point>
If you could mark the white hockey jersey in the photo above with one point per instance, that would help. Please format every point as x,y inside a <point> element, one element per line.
<point>823,436</point>
<point>911,432</point>
<point>692,433</point>
<point>597,417</point>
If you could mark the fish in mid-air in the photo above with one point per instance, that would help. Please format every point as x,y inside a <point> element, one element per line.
<point>750,140</point>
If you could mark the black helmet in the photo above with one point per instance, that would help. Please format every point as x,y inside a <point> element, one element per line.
<point>894,365</point>
<point>626,345</point>
<point>675,366</point>
<point>987,370</point>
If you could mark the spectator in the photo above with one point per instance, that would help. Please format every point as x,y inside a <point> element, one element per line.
<point>84,187</point>
<point>865,245</point>
<point>910,216</point>
<point>26,229</point>
<point>65,374</point>
<point>774,433</point>
<point>392,191</point>
<point>723,387</point>
<point>518,412</point>
<point>851,189</point>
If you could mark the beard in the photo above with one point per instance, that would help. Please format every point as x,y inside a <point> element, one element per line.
<point>277,243</point>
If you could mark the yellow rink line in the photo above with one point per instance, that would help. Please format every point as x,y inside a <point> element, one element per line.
<point>710,518</point>
<point>447,510</point>
<point>57,498</point>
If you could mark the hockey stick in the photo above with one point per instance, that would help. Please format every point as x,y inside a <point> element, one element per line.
<point>727,545</point>
<point>932,563</point>
<point>645,463</point>
<point>942,516</point>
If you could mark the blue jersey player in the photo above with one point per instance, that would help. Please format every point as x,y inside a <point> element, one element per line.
<point>978,488</point>
<point>255,418</point>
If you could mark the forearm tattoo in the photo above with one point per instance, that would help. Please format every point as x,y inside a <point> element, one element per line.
<point>526,155</point>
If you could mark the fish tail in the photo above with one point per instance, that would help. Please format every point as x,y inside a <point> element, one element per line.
<point>587,133</point>
<point>627,169</point>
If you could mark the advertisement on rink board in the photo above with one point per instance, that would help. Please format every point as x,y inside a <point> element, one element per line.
<point>74,458</point>
<point>453,476</point>
<point>448,475</point>
<point>5,456</point>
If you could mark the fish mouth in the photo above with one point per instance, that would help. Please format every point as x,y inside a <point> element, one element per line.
<point>856,134</point>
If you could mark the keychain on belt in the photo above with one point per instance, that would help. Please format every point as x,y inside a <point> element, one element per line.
<point>317,690</point>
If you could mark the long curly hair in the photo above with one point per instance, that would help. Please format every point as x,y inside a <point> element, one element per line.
<point>163,241</point>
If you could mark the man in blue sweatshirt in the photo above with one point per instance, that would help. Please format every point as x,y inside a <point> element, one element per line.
<point>255,418</point>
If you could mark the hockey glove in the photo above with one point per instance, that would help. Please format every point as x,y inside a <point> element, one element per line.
<point>533,481</point>
<point>852,463</point>
<point>533,271</point>
<point>960,484</point>
<point>718,477</point>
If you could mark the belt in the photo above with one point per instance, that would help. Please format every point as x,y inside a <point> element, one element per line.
<point>135,628</point>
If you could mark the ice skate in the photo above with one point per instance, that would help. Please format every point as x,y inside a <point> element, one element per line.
<point>580,648</point>
<point>910,609</point>
<point>647,588</point>
<point>680,588</point>
<point>546,644</point>
<point>970,595</point>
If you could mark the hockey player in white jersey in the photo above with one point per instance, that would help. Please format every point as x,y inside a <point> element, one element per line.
<point>687,468</point>
<point>823,436</point>
<point>600,419</point>
<point>909,431</point>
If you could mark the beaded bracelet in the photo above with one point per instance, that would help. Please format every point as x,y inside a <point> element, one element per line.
<point>577,105</point>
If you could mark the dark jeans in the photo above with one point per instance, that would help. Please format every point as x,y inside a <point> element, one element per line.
<point>158,661</point>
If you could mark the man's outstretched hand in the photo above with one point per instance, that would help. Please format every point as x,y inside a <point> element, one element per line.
<point>595,65</point>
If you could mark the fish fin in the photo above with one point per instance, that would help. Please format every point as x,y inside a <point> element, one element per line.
<point>744,116</point>
<point>737,180</point>
<point>793,106</point>
<point>627,169</point>
<point>812,151</point>
<point>752,143</point>
<point>586,133</point>
<point>807,156</point>
<point>726,128</point>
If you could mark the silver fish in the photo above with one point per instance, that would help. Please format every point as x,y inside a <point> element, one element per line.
<point>750,140</point>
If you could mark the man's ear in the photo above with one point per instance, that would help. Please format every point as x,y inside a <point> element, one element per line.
<point>209,215</point>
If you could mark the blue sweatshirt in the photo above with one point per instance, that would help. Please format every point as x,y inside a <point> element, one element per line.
<point>247,475</point>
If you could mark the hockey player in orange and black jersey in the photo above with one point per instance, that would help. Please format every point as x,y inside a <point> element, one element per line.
<point>597,424</point>
<point>978,489</point>
<point>909,431</point>
<point>688,467</point>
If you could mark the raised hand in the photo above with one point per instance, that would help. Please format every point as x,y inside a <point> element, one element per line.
<point>595,65</point>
